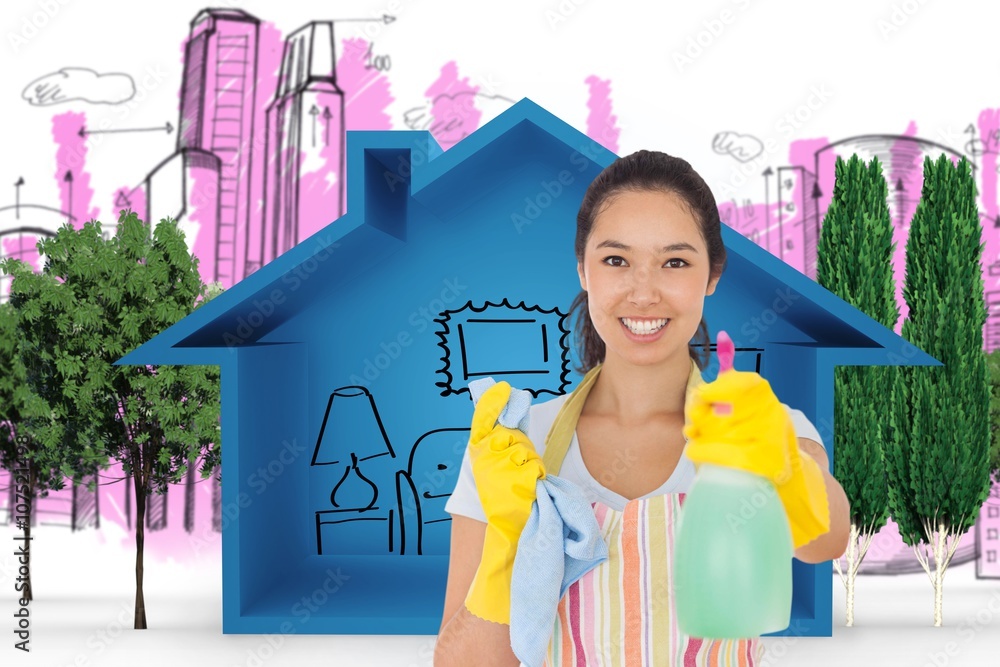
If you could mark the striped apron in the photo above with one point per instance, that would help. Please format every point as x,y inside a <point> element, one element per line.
<point>621,613</point>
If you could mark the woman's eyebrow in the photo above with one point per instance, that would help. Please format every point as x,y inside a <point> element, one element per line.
<point>673,247</point>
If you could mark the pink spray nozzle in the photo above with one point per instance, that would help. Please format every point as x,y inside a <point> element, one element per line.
<point>726,351</point>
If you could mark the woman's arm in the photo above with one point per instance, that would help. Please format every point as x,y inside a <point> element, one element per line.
<point>464,638</point>
<point>833,543</point>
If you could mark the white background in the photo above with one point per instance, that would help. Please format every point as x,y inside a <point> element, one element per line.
<point>870,66</point>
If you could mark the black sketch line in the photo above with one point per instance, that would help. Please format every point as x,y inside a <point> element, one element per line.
<point>302,78</point>
<point>902,151</point>
<point>347,471</point>
<point>385,18</point>
<point>17,197</point>
<point>767,173</point>
<point>320,523</point>
<point>742,147</point>
<point>79,83</point>
<point>156,510</point>
<point>441,450</point>
<point>419,117</point>
<point>68,178</point>
<point>404,476</point>
<point>448,317</point>
<point>350,391</point>
<point>166,127</point>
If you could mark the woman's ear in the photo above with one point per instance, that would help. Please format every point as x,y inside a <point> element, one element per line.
<point>583,278</point>
<point>711,285</point>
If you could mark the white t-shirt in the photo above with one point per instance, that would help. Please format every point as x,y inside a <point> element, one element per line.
<point>464,499</point>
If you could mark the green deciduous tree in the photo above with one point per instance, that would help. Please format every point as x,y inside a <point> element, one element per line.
<point>854,255</point>
<point>34,447</point>
<point>938,457</point>
<point>94,301</point>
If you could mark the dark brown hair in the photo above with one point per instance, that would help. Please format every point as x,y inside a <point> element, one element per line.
<point>643,171</point>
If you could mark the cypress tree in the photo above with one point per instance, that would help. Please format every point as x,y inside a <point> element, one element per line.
<point>854,261</point>
<point>938,455</point>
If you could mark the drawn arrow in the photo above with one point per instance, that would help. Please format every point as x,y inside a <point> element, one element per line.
<point>68,178</point>
<point>168,128</point>
<point>385,19</point>
<point>17,197</point>
<point>122,200</point>
<point>327,116</point>
<point>314,112</point>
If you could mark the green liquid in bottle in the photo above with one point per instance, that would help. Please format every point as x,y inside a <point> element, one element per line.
<point>732,557</point>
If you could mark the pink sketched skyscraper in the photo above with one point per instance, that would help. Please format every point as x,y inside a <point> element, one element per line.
<point>305,146</point>
<point>217,117</point>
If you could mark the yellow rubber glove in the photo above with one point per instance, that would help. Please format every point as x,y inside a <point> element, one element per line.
<point>756,434</point>
<point>506,468</point>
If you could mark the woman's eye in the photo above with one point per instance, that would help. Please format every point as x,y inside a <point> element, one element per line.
<point>610,261</point>
<point>677,260</point>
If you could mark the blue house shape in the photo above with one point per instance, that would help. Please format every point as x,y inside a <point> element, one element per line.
<point>345,364</point>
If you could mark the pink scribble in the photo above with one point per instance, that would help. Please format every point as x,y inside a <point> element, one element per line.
<point>453,107</point>
<point>203,208</point>
<point>989,128</point>
<point>366,90</point>
<point>75,193</point>
<point>319,189</point>
<point>270,46</point>
<point>905,177</point>
<point>601,123</point>
<point>366,93</point>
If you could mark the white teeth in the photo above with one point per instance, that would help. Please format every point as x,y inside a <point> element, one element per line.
<point>643,327</point>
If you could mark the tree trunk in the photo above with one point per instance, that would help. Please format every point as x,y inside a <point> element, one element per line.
<point>26,593</point>
<point>140,515</point>
<point>852,557</point>
<point>938,576</point>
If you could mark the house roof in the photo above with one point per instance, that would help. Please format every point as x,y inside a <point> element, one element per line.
<point>391,170</point>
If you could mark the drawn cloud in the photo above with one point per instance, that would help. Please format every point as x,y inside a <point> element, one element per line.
<point>743,147</point>
<point>79,83</point>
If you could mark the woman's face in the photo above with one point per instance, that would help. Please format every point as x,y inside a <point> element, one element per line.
<point>645,262</point>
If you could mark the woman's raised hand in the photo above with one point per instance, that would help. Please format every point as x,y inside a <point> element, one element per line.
<point>506,468</point>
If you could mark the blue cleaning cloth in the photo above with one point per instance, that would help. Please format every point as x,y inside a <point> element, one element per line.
<point>560,543</point>
<point>515,413</point>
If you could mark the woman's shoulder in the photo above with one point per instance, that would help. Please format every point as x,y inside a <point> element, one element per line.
<point>540,418</point>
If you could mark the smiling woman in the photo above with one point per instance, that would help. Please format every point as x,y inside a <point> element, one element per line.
<point>649,251</point>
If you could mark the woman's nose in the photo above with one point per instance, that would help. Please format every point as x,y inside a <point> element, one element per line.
<point>642,289</point>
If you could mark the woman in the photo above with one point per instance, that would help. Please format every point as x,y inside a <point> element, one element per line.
<point>649,250</point>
